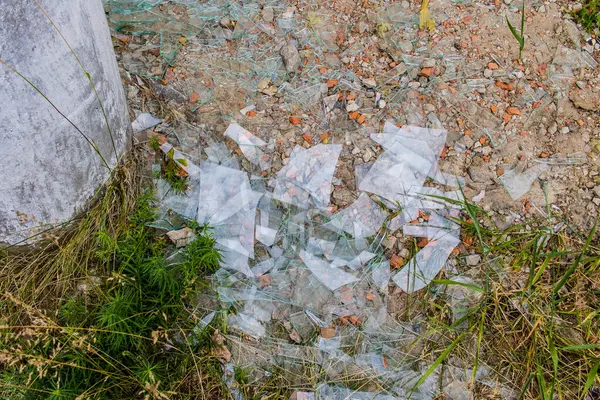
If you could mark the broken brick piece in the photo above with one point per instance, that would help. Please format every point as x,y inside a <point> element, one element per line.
<point>427,72</point>
<point>505,86</point>
<point>513,111</point>
<point>396,261</point>
<point>327,333</point>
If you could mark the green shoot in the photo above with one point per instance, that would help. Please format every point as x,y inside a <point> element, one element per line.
<point>519,36</point>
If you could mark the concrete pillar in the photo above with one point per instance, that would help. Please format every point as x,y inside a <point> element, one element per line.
<point>48,170</point>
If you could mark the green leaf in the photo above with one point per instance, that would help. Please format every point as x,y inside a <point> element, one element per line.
<point>591,377</point>
<point>182,161</point>
<point>514,31</point>
<point>171,153</point>
<point>450,282</point>
<point>540,272</point>
<point>526,385</point>
<point>554,355</point>
<point>574,266</point>
<point>438,361</point>
<point>587,346</point>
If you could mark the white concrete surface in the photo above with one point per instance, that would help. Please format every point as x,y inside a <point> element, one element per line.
<point>48,171</point>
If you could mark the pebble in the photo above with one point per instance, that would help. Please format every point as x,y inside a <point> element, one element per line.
<point>473,260</point>
<point>467,141</point>
<point>367,155</point>
<point>355,151</point>
<point>404,253</point>
<point>486,150</point>
<point>405,4</point>
<point>581,84</point>
<point>226,23</point>
<point>414,85</point>
<point>268,14</point>
<point>488,73</point>
<point>352,106</point>
<point>596,191</point>
<point>291,57</point>
<point>520,74</point>
<point>369,82</point>
<point>553,128</point>
<point>381,104</point>
<point>565,130</point>
<point>428,108</point>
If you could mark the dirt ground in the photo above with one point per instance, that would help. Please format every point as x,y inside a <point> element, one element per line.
<point>371,58</point>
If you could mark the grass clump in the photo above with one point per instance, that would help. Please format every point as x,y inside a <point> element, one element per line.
<point>171,169</point>
<point>589,16</point>
<point>533,311</point>
<point>125,329</point>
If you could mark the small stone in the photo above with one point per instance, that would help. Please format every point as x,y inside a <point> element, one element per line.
<point>473,260</point>
<point>268,14</point>
<point>352,106</point>
<point>291,57</point>
<point>182,237</point>
<point>369,82</point>
<point>553,128</point>
<point>520,74</point>
<point>381,103</point>
<point>596,201</point>
<point>367,155</point>
<point>404,253</point>
<point>226,23</point>
<point>468,141</point>
<point>405,4</point>
<point>596,190</point>
<point>414,85</point>
<point>355,151</point>
<point>564,130</point>
<point>581,84</point>
<point>295,336</point>
<point>488,73</point>
<point>389,242</point>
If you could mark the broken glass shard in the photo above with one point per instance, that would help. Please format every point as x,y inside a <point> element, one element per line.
<point>333,278</point>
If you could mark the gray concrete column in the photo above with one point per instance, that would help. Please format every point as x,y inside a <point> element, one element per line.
<point>49,170</point>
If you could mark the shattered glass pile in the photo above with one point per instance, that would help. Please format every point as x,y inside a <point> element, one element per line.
<point>309,285</point>
<point>307,288</point>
